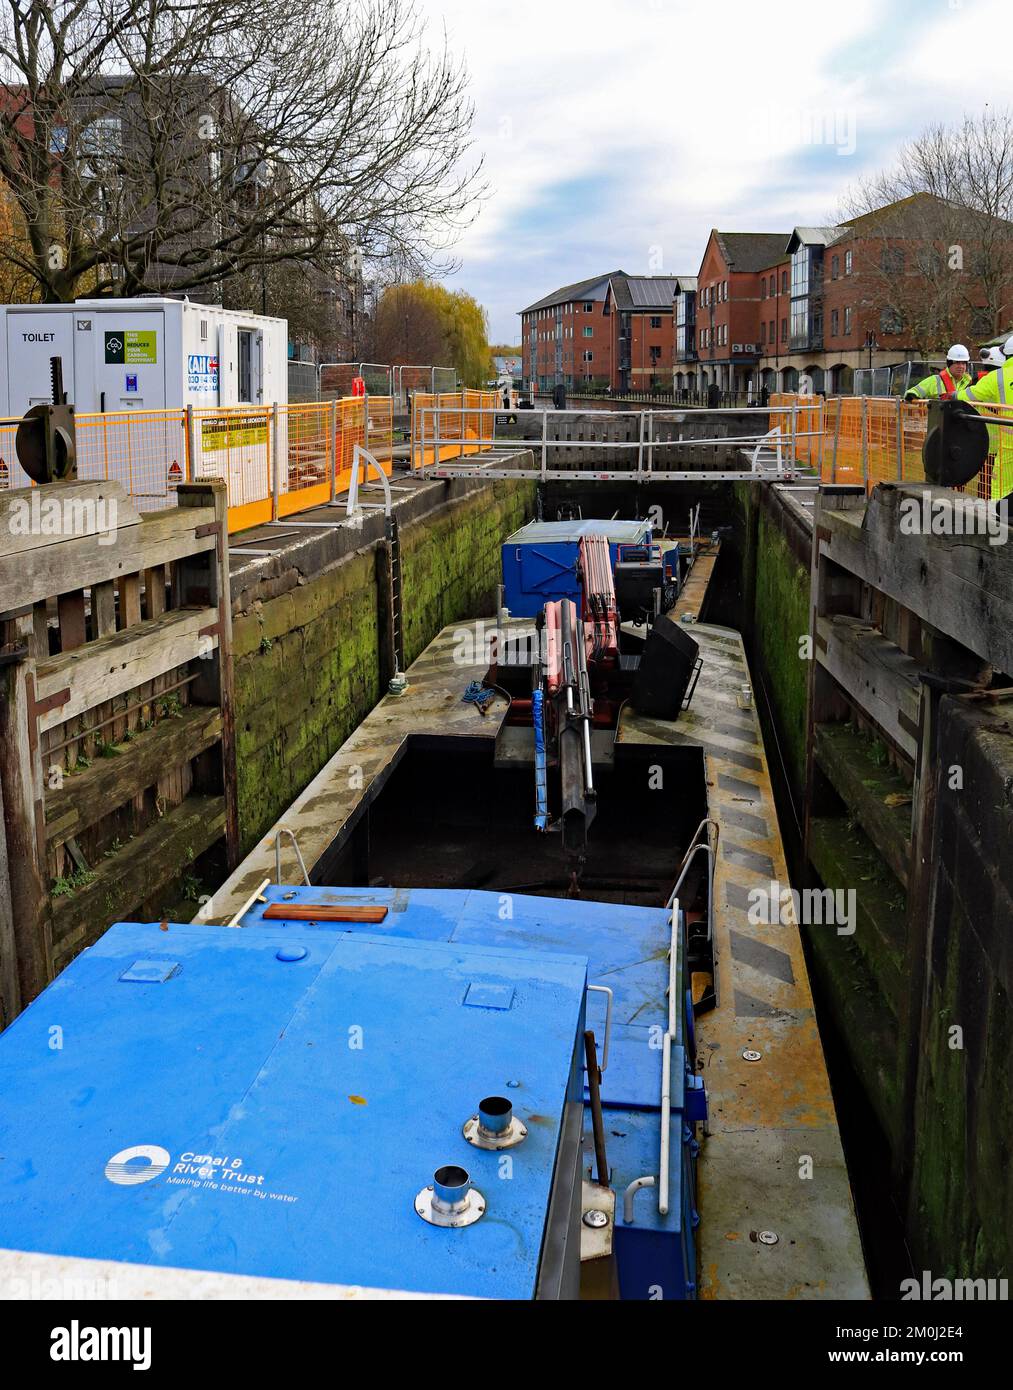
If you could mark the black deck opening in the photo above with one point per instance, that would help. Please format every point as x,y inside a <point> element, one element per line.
<point>447,817</point>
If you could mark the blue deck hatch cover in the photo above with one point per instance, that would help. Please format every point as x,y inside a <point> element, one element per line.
<point>151,972</point>
<point>481,996</point>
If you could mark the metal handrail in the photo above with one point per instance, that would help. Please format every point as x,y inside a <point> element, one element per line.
<point>695,845</point>
<point>284,830</point>
<point>604,989</point>
<point>665,1162</point>
<point>362,456</point>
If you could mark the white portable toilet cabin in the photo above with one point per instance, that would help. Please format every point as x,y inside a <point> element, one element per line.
<point>123,356</point>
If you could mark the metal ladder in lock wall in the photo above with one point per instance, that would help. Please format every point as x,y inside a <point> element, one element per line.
<point>397,610</point>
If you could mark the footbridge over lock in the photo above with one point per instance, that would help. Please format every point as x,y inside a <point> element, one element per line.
<point>719,445</point>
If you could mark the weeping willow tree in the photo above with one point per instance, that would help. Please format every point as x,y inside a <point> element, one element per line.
<point>425,323</point>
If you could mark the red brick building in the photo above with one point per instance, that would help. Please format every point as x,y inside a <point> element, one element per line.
<point>566,337</point>
<point>860,296</point>
<point>613,330</point>
<point>728,311</point>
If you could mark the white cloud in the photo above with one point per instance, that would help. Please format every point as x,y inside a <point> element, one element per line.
<point>733,114</point>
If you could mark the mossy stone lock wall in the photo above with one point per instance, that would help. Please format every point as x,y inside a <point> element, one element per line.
<point>307,662</point>
<point>451,561</point>
<point>949,1140</point>
<point>307,667</point>
<point>775,597</point>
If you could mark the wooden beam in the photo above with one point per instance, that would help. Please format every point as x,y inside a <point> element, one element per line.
<point>137,872</point>
<point>21,784</point>
<point>81,562</point>
<point>130,601</point>
<point>73,627</point>
<point>867,789</point>
<point>216,683</point>
<point>77,681</point>
<point>875,675</point>
<point>103,608</point>
<point>87,796</point>
<point>10,989</point>
<point>39,517</point>
<point>322,912</point>
<point>959,582</point>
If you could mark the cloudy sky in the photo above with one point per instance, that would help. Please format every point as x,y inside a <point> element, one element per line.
<point>616,133</point>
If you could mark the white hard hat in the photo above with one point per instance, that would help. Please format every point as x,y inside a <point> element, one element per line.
<point>958,353</point>
<point>1007,346</point>
<point>992,357</point>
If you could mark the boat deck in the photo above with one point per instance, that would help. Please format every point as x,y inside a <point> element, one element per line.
<point>772,1160</point>
<point>772,1120</point>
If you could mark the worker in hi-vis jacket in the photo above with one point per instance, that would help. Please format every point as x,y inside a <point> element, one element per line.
<point>946,382</point>
<point>996,389</point>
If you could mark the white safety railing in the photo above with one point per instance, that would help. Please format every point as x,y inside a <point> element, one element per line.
<point>441,430</point>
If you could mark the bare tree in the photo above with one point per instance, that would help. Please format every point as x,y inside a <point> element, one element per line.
<point>171,144</point>
<point>939,226</point>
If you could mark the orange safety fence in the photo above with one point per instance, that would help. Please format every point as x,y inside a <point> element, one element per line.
<point>237,445</point>
<point>276,460</point>
<point>865,440</point>
<point>465,425</point>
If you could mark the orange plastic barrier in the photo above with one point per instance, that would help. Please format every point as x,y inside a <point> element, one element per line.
<point>275,460</point>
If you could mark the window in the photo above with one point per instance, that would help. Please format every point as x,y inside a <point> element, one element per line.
<point>773,285</point>
<point>892,260</point>
<point>800,320</point>
<point>763,288</point>
<point>773,330</point>
<point>655,321</point>
<point>103,138</point>
<point>835,267</point>
<point>847,262</point>
<point>763,332</point>
<point>246,366</point>
<point>834,323</point>
<point>655,356</point>
<point>784,330</point>
<point>588,355</point>
<point>784,282</point>
<point>588,307</point>
<point>588,331</point>
<point>890,321</point>
<point>800,273</point>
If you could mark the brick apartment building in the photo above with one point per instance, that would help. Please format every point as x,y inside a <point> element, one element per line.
<point>613,330</point>
<point>819,302</point>
<point>725,350</point>
<point>773,309</point>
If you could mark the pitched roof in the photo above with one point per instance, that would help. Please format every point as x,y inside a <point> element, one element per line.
<point>814,236</point>
<point>746,251</point>
<point>643,291</point>
<point>581,289</point>
<point>685,284</point>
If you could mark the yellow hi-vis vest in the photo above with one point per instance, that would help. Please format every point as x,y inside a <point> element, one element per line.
<point>996,389</point>
<point>939,384</point>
